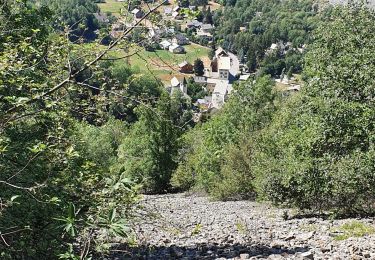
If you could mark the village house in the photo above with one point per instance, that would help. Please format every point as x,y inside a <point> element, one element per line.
<point>280,46</point>
<point>180,40</point>
<point>185,67</point>
<point>220,66</point>
<point>156,33</point>
<point>193,24</point>
<point>177,85</point>
<point>170,31</point>
<point>200,80</point>
<point>207,28</point>
<point>175,48</point>
<point>244,77</point>
<point>220,93</point>
<point>243,29</point>
<point>224,64</point>
<point>177,16</point>
<point>165,44</point>
<point>220,52</point>
<point>137,13</point>
<point>204,104</point>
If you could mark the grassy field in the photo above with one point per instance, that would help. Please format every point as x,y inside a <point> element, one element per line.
<point>163,63</point>
<point>112,6</point>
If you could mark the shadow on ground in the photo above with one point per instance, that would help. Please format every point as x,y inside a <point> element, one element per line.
<point>203,251</point>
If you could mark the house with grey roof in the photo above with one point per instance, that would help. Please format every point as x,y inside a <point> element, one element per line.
<point>175,48</point>
<point>193,24</point>
<point>180,39</point>
<point>220,93</point>
<point>200,80</point>
<point>165,44</point>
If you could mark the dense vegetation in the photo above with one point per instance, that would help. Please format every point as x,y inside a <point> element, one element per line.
<point>75,16</point>
<point>82,135</point>
<point>314,150</point>
<point>264,23</point>
<point>65,191</point>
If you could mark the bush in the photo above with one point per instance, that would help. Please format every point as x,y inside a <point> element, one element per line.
<point>319,151</point>
<point>215,156</point>
<point>235,180</point>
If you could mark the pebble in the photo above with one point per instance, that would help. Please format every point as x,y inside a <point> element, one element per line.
<point>186,226</point>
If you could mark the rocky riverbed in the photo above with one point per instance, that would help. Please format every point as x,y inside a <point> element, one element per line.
<point>182,226</point>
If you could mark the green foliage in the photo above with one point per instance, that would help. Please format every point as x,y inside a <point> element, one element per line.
<point>267,22</point>
<point>77,15</point>
<point>210,152</point>
<point>319,152</point>
<point>56,178</point>
<point>197,229</point>
<point>198,67</point>
<point>195,90</point>
<point>314,150</point>
<point>148,153</point>
<point>353,229</point>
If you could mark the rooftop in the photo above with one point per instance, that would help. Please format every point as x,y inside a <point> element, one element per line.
<point>135,11</point>
<point>182,64</point>
<point>244,77</point>
<point>175,82</point>
<point>224,63</point>
<point>180,37</point>
<point>206,26</point>
<point>220,52</point>
<point>222,87</point>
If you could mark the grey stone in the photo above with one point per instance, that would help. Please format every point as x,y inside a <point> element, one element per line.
<point>244,256</point>
<point>307,255</point>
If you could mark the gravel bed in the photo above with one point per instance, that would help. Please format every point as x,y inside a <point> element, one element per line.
<point>183,226</point>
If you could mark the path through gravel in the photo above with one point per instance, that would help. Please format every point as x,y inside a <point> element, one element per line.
<point>192,227</point>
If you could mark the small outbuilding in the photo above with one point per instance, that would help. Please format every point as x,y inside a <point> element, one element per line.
<point>186,67</point>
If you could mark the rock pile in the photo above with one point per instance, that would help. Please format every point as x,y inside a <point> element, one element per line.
<point>181,226</point>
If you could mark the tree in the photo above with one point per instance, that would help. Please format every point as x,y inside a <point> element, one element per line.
<point>148,153</point>
<point>77,15</point>
<point>203,158</point>
<point>198,67</point>
<point>208,16</point>
<point>57,189</point>
<point>184,3</point>
<point>195,90</point>
<point>320,147</point>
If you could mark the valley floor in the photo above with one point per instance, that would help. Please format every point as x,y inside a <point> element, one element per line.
<point>182,226</point>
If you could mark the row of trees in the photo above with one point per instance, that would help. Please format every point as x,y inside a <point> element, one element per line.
<point>314,150</point>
